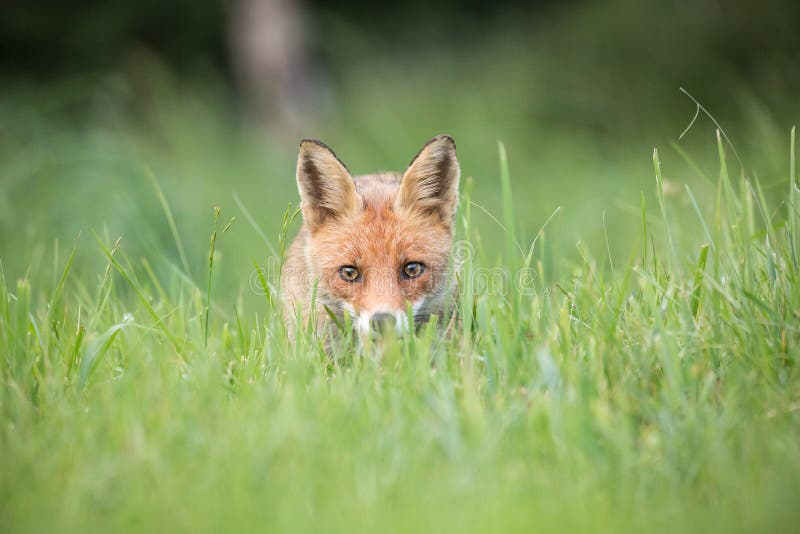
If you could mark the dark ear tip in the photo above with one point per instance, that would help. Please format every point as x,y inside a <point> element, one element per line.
<point>442,138</point>
<point>311,147</point>
<point>306,142</point>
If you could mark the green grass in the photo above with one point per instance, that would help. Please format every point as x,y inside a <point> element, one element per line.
<point>655,389</point>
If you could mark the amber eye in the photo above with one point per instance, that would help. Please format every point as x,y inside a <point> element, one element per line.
<point>348,273</point>
<point>413,269</point>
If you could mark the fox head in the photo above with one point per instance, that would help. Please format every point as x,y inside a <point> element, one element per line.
<point>379,244</point>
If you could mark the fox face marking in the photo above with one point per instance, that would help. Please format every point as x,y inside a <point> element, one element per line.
<point>376,246</point>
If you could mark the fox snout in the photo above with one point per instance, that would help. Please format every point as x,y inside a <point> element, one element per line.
<point>381,322</point>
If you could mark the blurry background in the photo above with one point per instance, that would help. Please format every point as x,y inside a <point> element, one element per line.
<point>213,96</point>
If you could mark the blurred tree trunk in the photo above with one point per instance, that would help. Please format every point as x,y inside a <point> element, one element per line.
<point>268,43</point>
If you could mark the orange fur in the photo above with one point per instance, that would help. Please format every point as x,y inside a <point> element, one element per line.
<point>376,223</point>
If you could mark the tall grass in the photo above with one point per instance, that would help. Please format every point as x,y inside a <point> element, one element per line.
<point>660,395</point>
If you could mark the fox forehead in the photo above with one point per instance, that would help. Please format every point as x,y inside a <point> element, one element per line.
<point>379,187</point>
<point>378,235</point>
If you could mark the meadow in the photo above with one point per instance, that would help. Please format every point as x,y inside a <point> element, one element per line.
<point>633,365</point>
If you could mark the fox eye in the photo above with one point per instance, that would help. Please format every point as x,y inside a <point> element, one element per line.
<point>413,269</point>
<point>348,273</point>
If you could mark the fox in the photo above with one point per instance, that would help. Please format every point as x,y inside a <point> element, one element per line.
<point>374,248</point>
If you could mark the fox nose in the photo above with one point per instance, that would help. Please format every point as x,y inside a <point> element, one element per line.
<point>382,321</point>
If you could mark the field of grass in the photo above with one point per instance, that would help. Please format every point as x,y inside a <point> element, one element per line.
<point>626,357</point>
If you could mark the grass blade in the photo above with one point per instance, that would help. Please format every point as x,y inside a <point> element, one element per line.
<point>97,349</point>
<point>173,227</point>
<point>698,280</point>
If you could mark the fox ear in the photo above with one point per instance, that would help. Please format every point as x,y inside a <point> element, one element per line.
<point>326,188</point>
<point>430,184</point>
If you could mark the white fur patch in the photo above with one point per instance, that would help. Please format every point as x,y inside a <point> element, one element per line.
<point>401,322</point>
<point>362,323</point>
